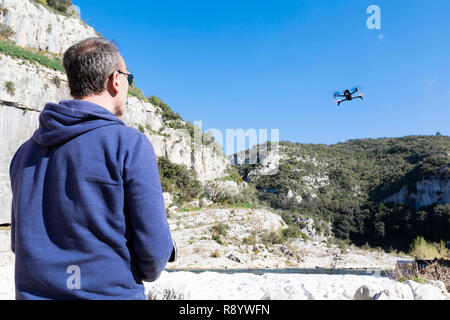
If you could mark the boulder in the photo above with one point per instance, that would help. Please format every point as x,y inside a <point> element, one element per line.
<point>167,199</point>
<point>428,292</point>
<point>438,284</point>
<point>397,291</point>
<point>365,292</point>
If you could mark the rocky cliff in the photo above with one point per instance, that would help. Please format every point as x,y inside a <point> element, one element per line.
<point>425,192</point>
<point>26,87</point>
<point>36,26</point>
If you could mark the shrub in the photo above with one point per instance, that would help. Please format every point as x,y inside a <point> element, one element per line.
<point>136,92</point>
<point>167,112</point>
<point>271,238</point>
<point>57,81</point>
<point>291,232</point>
<point>421,249</point>
<point>178,180</point>
<point>216,254</point>
<point>220,229</point>
<point>251,240</point>
<point>10,88</point>
<point>216,237</point>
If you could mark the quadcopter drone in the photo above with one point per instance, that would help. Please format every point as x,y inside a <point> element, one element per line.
<point>348,95</point>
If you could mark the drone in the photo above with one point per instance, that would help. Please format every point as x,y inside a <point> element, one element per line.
<point>348,95</point>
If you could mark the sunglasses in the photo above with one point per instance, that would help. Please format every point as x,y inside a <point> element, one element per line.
<point>129,76</point>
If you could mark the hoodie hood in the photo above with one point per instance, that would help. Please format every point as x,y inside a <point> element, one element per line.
<point>63,121</point>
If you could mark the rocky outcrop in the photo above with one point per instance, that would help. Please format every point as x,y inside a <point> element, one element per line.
<point>37,27</point>
<point>426,191</point>
<point>407,290</point>
<point>270,286</point>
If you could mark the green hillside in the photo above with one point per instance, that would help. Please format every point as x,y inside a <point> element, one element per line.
<point>357,176</point>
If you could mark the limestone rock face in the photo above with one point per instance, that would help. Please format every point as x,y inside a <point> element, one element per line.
<point>39,28</point>
<point>428,191</point>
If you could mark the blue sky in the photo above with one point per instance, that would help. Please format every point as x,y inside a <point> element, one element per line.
<point>275,64</point>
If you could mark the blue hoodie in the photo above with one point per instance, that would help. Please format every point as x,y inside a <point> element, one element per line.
<point>88,216</point>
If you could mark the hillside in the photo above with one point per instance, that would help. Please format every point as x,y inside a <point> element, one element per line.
<point>383,192</point>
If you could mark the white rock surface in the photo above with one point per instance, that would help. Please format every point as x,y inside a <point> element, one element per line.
<point>244,239</point>
<point>6,266</point>
<point>428,292</point>
<point>429,191</point>
<point>39,28</point>
<point>269,286</point>
<point>396,291</point>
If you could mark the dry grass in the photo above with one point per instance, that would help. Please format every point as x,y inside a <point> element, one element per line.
<point>437,271</point>
<point>421,249</point>
<point>434,271</point>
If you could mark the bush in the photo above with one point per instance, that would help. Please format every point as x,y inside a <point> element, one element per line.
<point>271,238</point>
<point>178,180</point>
<point>136,92</point>
<point>220,229</point>
<point>421,249</point>
<point>57,81</point>
<point>167,112</point>
<point>292,232</point>
<point>10,88</point>
<point>59,5</point>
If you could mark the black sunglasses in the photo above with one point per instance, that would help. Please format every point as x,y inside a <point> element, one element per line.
<point>129,76</point>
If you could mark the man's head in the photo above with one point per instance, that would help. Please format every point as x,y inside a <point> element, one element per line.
<point>95,71</point>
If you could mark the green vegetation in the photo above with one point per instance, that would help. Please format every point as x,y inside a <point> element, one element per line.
<point>57,6</point>
<point>10,88</point>
<point>246,198</point>
<point>421,249</point>
<point>136,92</point>
<point>269,238</point>
<point>361,175</point>
<point>178,180</point>
<point>15,51</point>
<point>57,81</point>
<point>219,230</point>
<point>167,112</point>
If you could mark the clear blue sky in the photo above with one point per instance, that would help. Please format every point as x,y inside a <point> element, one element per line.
<point>275,64</point>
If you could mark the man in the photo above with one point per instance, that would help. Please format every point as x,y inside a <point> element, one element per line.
<point>88,215</point>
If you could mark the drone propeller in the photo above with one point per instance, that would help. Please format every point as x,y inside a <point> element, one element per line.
<point>357,88</point>
<point>338,93</point>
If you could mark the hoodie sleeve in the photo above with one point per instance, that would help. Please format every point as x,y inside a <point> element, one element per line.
<point>152,241</point>
<point>13,215</point>
<point>13,230</point>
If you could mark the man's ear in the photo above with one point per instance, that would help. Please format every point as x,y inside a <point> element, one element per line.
<point>113,84</point>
